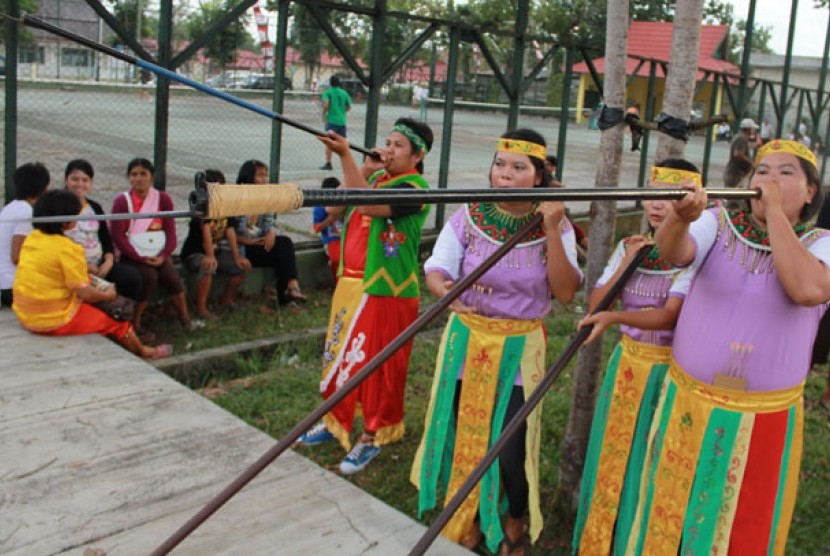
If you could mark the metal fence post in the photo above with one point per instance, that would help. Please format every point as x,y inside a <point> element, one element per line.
<point>10,117</point>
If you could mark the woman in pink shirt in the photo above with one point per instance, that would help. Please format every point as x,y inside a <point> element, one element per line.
<point>147,244</point>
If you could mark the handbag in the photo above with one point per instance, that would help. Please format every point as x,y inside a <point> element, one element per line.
<point>148,244</point>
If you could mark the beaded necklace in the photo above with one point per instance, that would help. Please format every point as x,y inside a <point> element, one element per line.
<point>499,224</point>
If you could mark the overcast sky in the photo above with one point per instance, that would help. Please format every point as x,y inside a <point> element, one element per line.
<point>810,26</point>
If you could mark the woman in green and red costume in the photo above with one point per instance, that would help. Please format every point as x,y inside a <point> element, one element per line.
<point>376,296</point>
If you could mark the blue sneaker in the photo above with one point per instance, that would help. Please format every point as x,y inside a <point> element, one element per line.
<point>360,456</point>
<point>318,434</point>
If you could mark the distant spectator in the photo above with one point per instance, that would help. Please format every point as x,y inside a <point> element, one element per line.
<point>264,247</point>
<point>52,290</point>
<point>336,102</point>
<point>329,226</point>
<point>94,236</point>
<point>147,244</point>
<point>724,132</point>
<point>145,78</point>
<point>211,246</point>
<point>741,154</point>
<point>420,96</point>
<point>30,181</point>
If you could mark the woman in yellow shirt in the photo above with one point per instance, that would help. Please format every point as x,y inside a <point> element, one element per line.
<point>52,290</point>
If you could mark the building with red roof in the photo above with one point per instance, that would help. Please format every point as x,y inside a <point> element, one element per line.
<point>653,40</point>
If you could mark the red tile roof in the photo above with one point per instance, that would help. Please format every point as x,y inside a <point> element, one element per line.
<point>652,39</point>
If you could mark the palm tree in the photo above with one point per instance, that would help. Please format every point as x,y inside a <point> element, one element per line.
<point>575,442</point>
<point>678,97</point>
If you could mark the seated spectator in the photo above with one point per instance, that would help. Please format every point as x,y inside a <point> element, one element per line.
<point>30,181</point>
<point>52,290</point>
<point>329,226</point>
<point>724,132</point>
<point>94,236</point>
<point>147,244</point>
<point>211,247</point>
<point>264,247</point>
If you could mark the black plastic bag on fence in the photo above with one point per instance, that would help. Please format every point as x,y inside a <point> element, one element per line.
<point>673,127</point>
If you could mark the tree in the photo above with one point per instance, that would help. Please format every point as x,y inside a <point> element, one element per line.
<point>575,442</point>
<point>28,6</point>
<point>308,39</point>
<point>715,12</point>
<point>126,12</point>
<point>223,47</point>
<point>678,97</point>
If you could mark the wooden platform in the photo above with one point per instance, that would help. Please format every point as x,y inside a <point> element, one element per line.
<point>99,450</point>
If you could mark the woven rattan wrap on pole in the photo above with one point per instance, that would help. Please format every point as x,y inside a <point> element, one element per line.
<point>225,199</point>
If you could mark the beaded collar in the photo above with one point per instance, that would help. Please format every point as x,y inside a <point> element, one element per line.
<point>749,232</point>
<point>499,225</point>
<point>654,261</point>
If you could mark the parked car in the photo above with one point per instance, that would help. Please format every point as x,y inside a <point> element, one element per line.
<point>261,81</point>
<point>226,80</point>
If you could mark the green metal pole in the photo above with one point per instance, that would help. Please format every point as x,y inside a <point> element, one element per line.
<point>564,113</point>
<point>279,95</point>
<point>10,117</point>
<point>822,79</point>
<point>432,60</point>
<point>649,115</point>
<point>165,35</point>
<point>376,68</point>
<point>518,65</point>
<point>707,149</point>
<point>449,109</point>
<point>785,79</point>
<point>750,25</point>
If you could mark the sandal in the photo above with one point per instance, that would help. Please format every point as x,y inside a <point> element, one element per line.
<point>515,547</point>
<point>162,351</point>
<point>293,293</point>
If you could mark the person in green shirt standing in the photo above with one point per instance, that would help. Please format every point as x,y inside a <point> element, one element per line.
<point>336,102</point>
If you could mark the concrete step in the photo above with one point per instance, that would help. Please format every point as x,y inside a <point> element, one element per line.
<point>102,451</point>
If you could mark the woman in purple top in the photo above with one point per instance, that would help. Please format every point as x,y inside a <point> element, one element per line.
<point>651,302</point>
<point>492,355</point>
<point>725,444</point>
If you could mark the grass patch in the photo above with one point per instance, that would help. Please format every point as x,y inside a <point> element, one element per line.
<point>275,392</point>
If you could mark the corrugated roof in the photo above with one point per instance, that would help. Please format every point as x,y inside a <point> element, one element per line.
<point>652,39</point>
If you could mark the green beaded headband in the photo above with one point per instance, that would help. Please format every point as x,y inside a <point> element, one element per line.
<point>410,134</point>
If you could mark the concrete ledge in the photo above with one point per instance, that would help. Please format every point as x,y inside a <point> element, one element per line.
<point>102,451</point>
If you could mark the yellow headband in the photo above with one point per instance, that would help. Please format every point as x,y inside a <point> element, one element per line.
<point>790,147</point>
<point>522,147</point>
<point>674,176</point>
